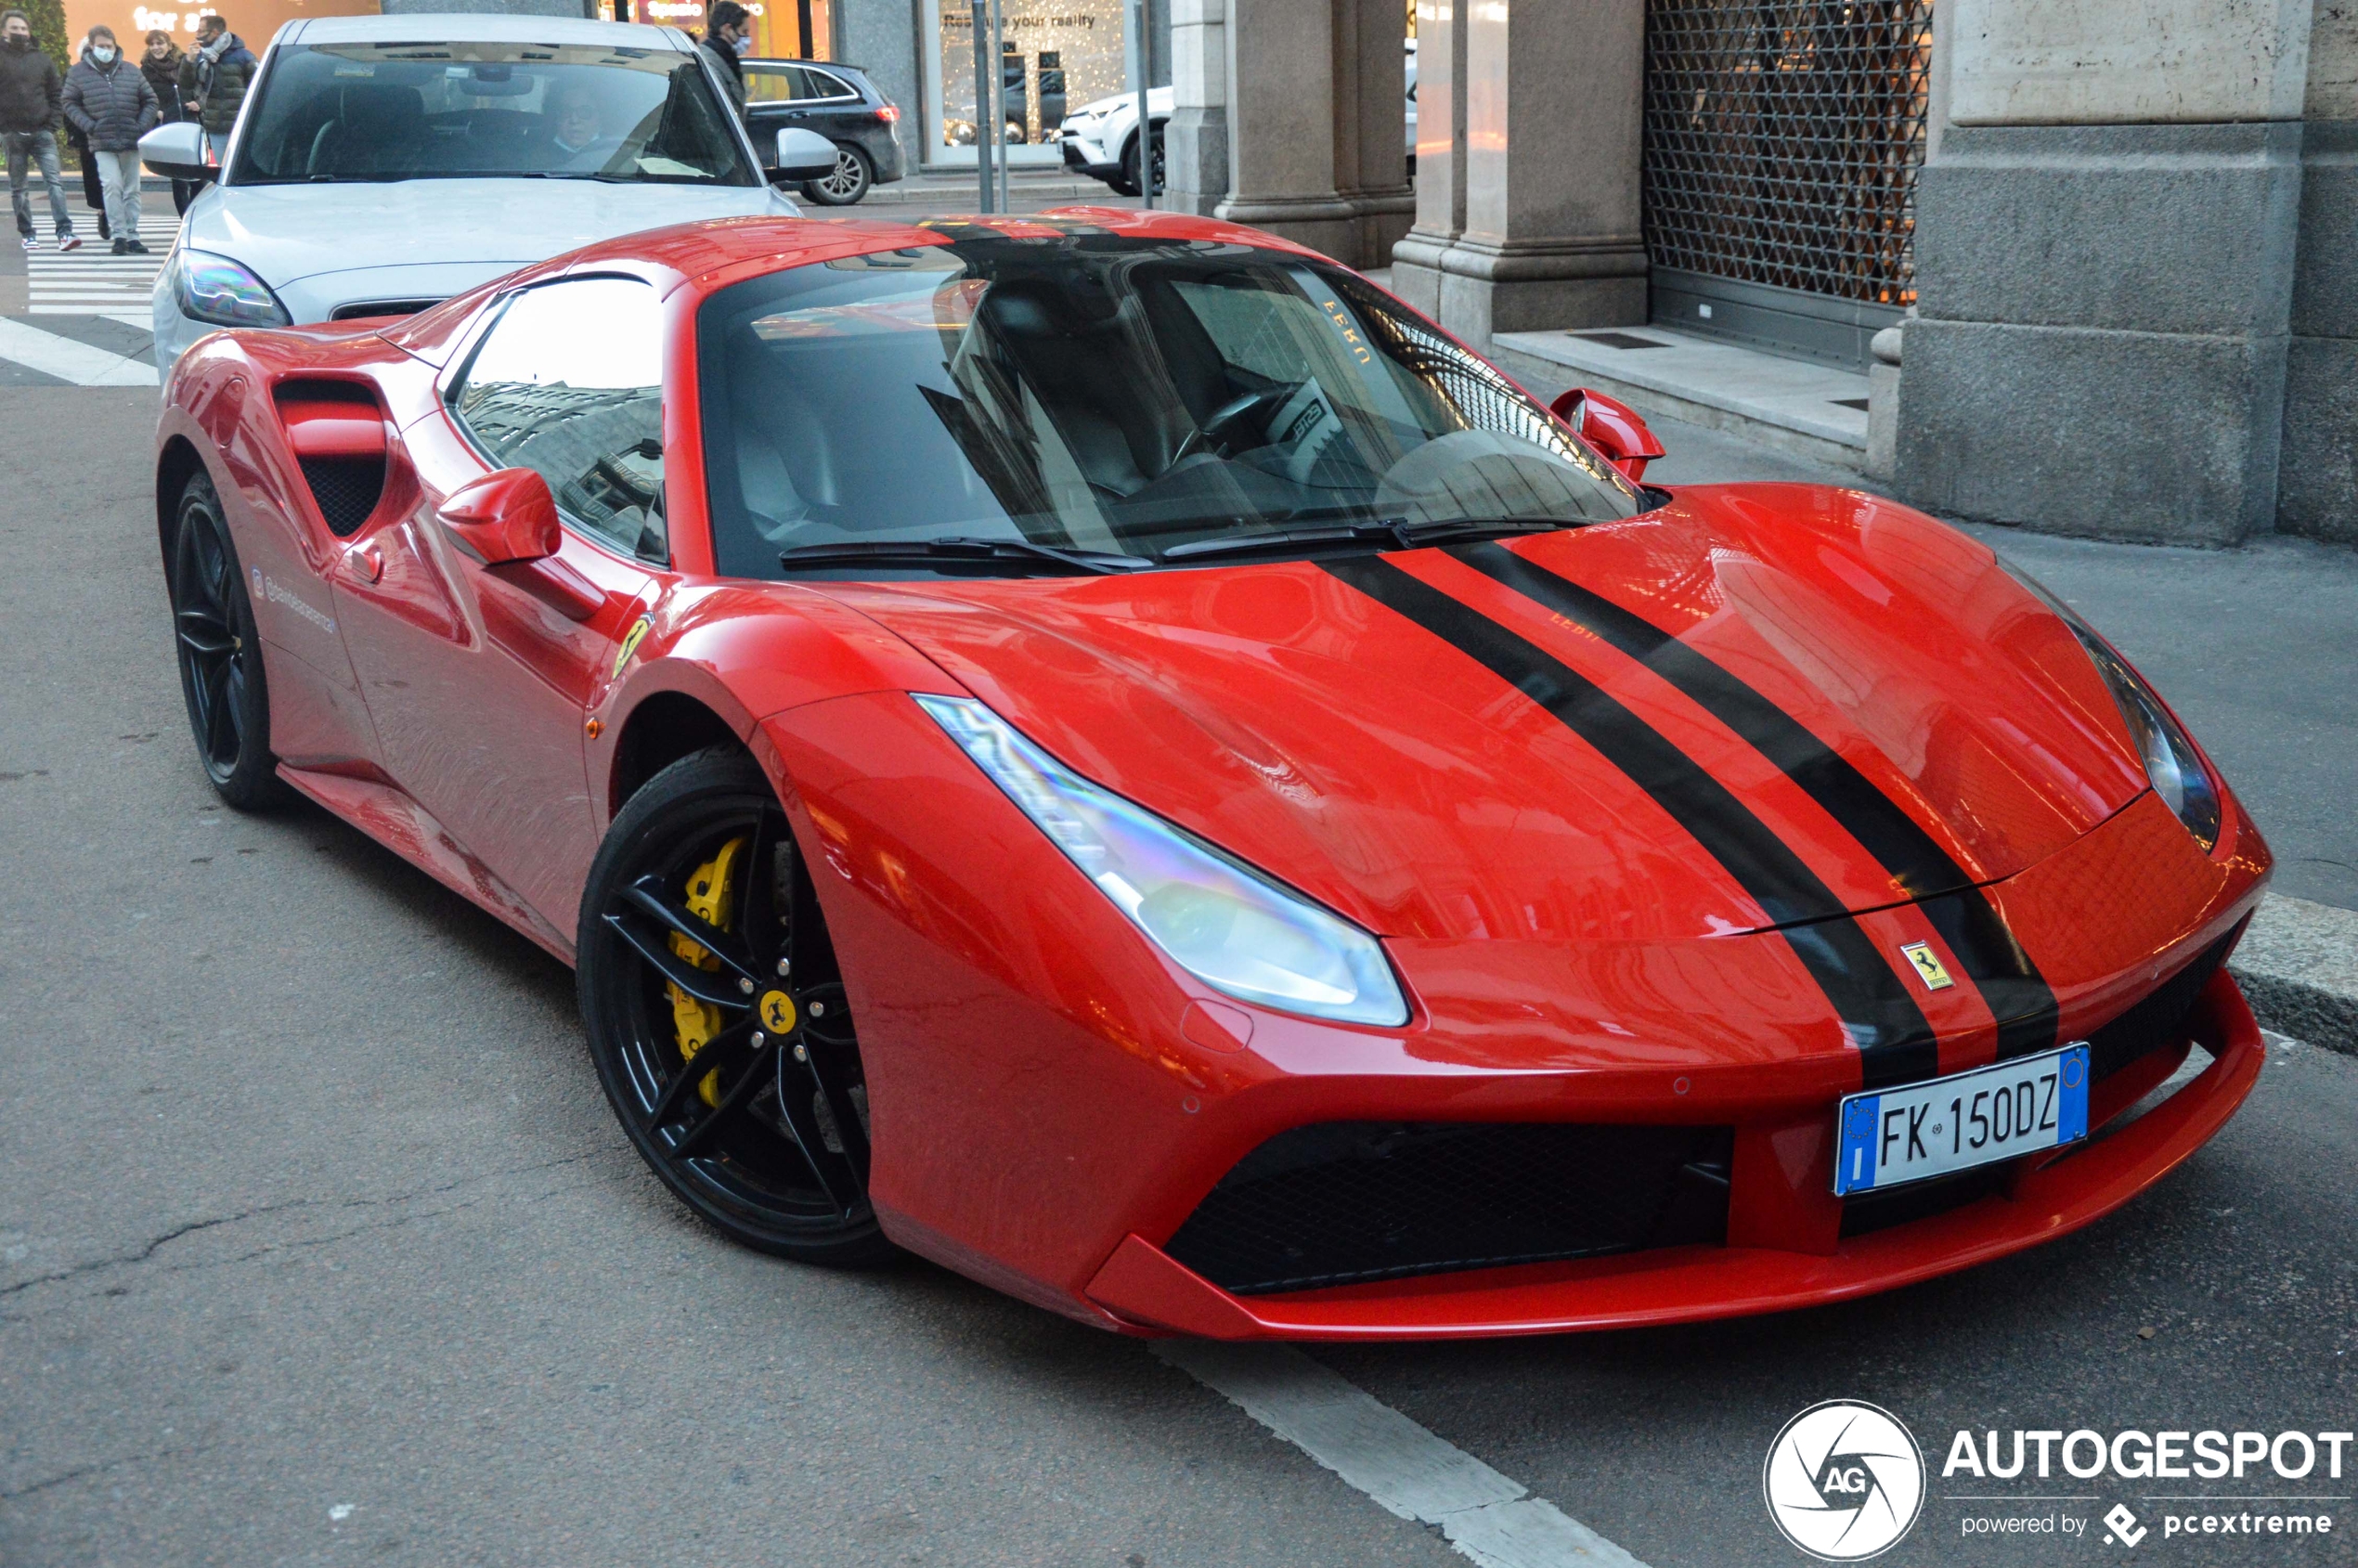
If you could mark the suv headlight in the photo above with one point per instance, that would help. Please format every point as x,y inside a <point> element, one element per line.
<point>2172,765</point>
<point>216,290</point>
<point>1216,917</point>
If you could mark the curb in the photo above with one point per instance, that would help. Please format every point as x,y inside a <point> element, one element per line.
<point>2298,965</point>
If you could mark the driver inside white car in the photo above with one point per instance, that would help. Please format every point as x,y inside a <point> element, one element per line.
<point>581,144</point>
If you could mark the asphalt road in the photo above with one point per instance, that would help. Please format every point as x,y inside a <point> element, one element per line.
<point>318,1242</point>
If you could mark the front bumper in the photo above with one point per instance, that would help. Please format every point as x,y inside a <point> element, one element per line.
<point>1088,158</point>
<point>1054,1101</point>
<point>1145,1285</point>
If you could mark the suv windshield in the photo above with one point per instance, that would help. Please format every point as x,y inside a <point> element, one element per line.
<point>1104,393</point>
<point>397,111</point>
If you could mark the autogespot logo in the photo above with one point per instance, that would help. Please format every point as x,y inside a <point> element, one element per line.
<point>1844,1480</point>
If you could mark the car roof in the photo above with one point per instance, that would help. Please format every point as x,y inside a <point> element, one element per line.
<point>474,27</point>
<point>716,253</point>
<point>836,66</point>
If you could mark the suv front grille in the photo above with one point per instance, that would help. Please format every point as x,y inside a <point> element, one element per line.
<point>1343,1203</point>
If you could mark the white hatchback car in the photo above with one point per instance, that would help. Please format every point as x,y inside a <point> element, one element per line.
<point>382,164</point>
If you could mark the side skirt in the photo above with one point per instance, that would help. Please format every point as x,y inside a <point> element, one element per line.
<point>399,824</point>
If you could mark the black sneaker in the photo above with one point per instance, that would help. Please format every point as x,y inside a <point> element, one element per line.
<point>138,249</point>
<point>122,246</point>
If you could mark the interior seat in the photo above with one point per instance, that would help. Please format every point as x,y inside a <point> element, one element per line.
<point>378,127</point>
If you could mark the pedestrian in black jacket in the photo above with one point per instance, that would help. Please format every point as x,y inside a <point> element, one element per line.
<point>731,26</point>
<point>31,99</point>
<point>109,102</point>
<point>161,68</point>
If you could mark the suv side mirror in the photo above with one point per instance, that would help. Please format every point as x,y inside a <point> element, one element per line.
<point>1611,426</point>
<point>803,155</point>
<point>504,517</point>
<point>178,151</point>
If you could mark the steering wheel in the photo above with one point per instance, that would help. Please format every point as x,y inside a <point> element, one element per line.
<point>1212,435</point>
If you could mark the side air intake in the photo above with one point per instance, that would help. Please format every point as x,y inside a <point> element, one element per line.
<point>338,436</point>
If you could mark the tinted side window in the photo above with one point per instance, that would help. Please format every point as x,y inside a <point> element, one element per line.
<point>769,85</point>
<point>569,384</point>
<point>824,85</point>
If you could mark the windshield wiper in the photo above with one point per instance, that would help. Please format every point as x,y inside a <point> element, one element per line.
<point>954,550</point>
<point>1396,533</point>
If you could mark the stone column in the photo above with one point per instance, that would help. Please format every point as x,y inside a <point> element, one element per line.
<point>2106,250</point>
<point>1554,96</point>
<point>1281,125</point>
<point>2317,484</point>
<point>1371,154</point>
<point>1196,140</point>
<point>1440,155</point>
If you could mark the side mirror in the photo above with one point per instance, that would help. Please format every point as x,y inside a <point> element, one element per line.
<point>803,155</point>
<point>1611,426</point>
<point>503,517</point>
<point>178,151</point>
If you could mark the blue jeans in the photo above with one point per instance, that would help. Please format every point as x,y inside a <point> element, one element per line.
<point>28,147</point>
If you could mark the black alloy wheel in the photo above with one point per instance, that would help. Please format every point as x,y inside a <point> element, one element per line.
<point>847,184</point>
<point>220,654</point>
<point>1128,184</point>
<point>699,919</point>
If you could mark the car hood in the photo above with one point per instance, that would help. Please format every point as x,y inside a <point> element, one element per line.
<point>288,233</point>
<point>1159,101</point>
<point>1285,714</point>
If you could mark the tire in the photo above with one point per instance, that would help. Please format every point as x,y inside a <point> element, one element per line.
<point>768,1145</point>
<point>220,654</point>
<point>1127,185</point>
<point>850,181</point>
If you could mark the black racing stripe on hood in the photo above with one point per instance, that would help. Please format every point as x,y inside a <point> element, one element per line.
<point>1896,1046</point>
<point>2009,983</point>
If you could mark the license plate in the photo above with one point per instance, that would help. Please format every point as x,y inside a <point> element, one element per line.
<point>1896,1135</point>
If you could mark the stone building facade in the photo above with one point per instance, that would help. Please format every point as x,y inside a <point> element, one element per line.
<point>2118,233</point>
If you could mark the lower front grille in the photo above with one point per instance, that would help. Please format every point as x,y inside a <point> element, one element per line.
<point>2160,1018</point>
<point>1343,1203</point>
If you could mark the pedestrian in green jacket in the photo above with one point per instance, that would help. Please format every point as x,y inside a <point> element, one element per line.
<point>213,82</point>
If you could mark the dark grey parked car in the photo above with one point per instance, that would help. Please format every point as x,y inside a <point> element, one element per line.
<point>840,103</point>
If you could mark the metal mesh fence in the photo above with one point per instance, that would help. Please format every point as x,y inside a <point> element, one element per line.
<point>1782,141</point>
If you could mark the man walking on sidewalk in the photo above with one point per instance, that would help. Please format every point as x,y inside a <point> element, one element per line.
<point>213,82</point>
<point>112,105</point>
<point>31,99</point>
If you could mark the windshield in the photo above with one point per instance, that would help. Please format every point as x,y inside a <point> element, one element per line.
<point>397,111</point>
<point>1104,393</point>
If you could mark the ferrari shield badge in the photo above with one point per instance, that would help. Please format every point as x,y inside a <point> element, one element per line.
<point>1929,969</point>
<point>630,642</point>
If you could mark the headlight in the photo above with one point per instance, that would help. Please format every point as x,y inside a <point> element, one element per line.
<point>2172,762</point>
<point>216,290</point>
<point>1219,919</point>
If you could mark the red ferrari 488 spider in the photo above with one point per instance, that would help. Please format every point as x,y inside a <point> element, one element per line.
<point>1106,751</point>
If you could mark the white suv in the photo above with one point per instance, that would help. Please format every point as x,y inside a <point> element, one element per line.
<point>382,164</point>
<point>1101,138</point>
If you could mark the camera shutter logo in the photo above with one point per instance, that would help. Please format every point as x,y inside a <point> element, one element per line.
<point>1844,1480</point>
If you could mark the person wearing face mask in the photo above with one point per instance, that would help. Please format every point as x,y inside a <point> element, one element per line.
<point>161,68</point>
<point>728,36</point>
<point>30,99</point>
<point>108,99</point>
<point>580,142</point>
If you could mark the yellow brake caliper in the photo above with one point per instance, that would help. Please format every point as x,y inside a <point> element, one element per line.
<point>709,891</point>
